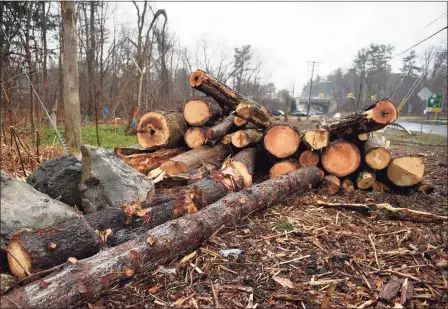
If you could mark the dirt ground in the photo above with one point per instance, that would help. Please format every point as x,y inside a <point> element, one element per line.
<point>299,255</point>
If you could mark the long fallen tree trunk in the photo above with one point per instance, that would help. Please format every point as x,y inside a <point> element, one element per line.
<point>37,250</point>
<point>76,284</point>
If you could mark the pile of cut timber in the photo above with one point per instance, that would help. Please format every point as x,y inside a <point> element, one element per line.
<point>212,148</point>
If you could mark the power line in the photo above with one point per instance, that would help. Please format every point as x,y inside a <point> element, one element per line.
<point>436,19</point>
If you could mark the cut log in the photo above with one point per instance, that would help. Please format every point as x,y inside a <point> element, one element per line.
<point>376,152</point>
<point>373,118</point>
<point>283,167</point>
<point>347,185</point>
<point>317,139</point>
<point>365,180</point>
<point>191,176</point>
<point>406,171</point>
<point>145,162</point>
<point>121,152</point>
<point>161,129</point>
<point>387,211</point>
<point>215,133</point>
<point>227,139</point>
<point>281,141</point>
<point>33,250</point>
<point>309,158</point>
<point>426,187</point>
<point>78,284</point>
<point>190,160</point>
<point>239,122</point>
<point>195,137</point>
<point>201,111</point>
<point>363,137</point>
<point>341,158</point>
<point>332,184</point>
<point>255,113</point>
<point>243,138</point>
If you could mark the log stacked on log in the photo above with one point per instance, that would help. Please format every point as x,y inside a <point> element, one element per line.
<point>225,132</point>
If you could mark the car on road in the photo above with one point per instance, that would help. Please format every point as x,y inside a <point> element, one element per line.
<point>298,114</point>
<point>278,112</point>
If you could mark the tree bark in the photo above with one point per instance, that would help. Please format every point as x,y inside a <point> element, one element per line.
<point>72,109</point>
<point>309,158</point>
<point>283,167</point>
<point>195,137</point>
<point>201,111</point>
<point>145,162</point>
<point>341,158</point>
<point>373,118</point>
<point>68,287</point>
<point>215,133</point>
<point>406,171</point>
<point>42,249</point>
<point>376,152</point>
<point>243,138</point>
<point>190,160</point>
<point>281,141</point>
<point>161,129</point>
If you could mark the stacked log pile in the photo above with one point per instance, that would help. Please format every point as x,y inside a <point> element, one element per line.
<point>213,148</point>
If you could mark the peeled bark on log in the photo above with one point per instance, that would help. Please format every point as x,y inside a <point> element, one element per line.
<point>215,133</point>
<point>309,158</point>
<point>195,137</point>
<point>74,285</point>
<point>190,160</point>
<point>201,111</point>
<point>341,158</point>
<point>389,212</point>
<point>281,141</point>
<point>145,162</point>
<point>363,137</point>
<point>161,129</point>
<point>406,171</point>
<point>191,176</point>
<point>332,184</point>
<point>373,118</point>
<point>35,250</point>
<point>376,152</point>
<point>347,185</point>
<point>243,138</point>
<point>317,139</point>
<point>283,167</point>
<point>365,180</point>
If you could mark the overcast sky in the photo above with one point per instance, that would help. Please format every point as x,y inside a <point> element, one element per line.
<point>287,35</point>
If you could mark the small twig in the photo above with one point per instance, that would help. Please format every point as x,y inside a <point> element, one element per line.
<point>374,251</point>
<point>328,295</point>
<point>215,297</point>
<point>294,260</point>
<point>367,304</point>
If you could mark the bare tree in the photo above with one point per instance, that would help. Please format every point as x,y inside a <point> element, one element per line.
<point>72,108</point>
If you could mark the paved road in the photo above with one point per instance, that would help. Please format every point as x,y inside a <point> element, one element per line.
<point>438,129</point>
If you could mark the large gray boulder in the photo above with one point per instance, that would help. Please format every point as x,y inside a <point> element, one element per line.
<point>109,182</point>
<point>22,206</point>
<point>59,178</point>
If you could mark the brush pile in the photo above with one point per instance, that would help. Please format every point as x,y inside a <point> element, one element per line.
<point>206,161</point>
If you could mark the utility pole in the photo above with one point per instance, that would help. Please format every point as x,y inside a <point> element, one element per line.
<point>311,88</point>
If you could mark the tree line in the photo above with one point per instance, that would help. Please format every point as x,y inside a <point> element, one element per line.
<point>124,70</point>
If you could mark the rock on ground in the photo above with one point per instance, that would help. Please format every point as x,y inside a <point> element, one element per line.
<point>59,178</point>
<point>109,182</point>
<point>22,206</point>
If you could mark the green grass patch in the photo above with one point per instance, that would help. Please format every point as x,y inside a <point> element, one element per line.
<point>417,138</point>
<point>107,137</point>
<point>283,225</point>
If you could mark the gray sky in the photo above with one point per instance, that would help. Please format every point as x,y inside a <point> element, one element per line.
<point>287,35</point>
